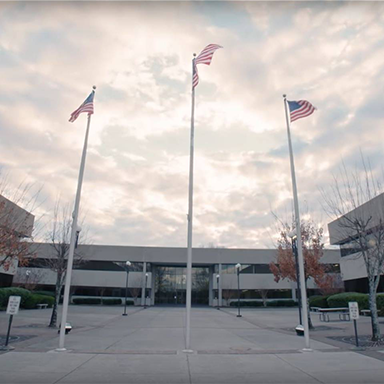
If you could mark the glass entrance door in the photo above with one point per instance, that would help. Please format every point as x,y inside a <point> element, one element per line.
<point>170,285</point>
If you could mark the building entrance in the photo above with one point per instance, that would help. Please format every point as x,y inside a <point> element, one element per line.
<point>170,285</point>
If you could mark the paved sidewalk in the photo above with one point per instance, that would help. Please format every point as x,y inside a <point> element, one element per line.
<point>146,347</point>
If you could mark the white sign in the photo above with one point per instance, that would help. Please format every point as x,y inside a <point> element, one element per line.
<point>353,310</point>
<point>13,305</point>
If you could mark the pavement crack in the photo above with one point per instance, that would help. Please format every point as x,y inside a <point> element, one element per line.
<point>73,370</point>
<point>189,370</point>
<point>131,333</point>
<point>305,373</point>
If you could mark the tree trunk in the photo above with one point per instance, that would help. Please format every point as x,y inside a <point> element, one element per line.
<point>310,325</point>
<point>53,322</point>
<point>373,307</point>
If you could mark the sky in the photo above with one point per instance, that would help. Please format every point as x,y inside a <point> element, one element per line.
<point>138,54</point>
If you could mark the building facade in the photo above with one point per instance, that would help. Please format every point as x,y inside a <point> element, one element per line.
<point>157,275</point>
<point>16,224</point>
<point>369,218</point>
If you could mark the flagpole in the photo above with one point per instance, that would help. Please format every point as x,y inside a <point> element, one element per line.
<point>298,233</point>
<point>73,241</point>
<point>190,215</point>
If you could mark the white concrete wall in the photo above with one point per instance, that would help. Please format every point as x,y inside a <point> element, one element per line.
<point>372,211</point>
<point>256,281</point>
<point>178,256</point>
<point>81,278</point>
<point>353,267</point>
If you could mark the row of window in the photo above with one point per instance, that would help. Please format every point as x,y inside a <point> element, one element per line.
<point>262,268</point>
<point>95,265</point>
<point>136,292</point>
<point>138,267</point>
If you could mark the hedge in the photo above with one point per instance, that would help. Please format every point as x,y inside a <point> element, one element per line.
<point>6,292</point>
<point>318,301</point>
<point>98,301</point>
<point>32,301</point>
<point>380,301</point>
<point>111,301</point>
<point>247,303</point>
<point>281,303</point>
<point>342,300</point>
<point>45,293</point>
<point>28,300</point>
<point>86,300</point>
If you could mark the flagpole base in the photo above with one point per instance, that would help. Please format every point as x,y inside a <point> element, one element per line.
<point>6,348</point>
<point>61,349</point>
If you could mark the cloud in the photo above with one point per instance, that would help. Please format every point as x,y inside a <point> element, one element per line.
<point>135,189</point>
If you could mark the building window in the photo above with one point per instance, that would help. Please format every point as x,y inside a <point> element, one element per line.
<point>262,268</point>
<point>332,268</point>
<point>349,248</point>
<point>228,269</point>
<point>245,268</point>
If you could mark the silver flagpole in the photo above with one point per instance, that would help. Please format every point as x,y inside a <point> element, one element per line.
<point>73,241</point>
<point>298,233</point>
<point>190,215</point>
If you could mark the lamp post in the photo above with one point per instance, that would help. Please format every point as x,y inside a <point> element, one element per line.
<point>127,265</point>
<point>293,237</point>
<point>145,290</point>
<point>78,230</point>
<point>27,273</point>
<point>238,266</point>
<point>217,297</point>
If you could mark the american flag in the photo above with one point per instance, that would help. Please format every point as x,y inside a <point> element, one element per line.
<point>300,109</point>
<point>87,106</point>
<point>205,57</point>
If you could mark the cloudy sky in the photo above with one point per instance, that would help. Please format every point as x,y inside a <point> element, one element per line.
<point>138,54</point>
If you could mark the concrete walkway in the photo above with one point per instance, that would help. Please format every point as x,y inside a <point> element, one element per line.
<point>146,347</point>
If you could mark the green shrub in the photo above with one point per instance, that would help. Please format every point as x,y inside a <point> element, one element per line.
<point>318,301</point>
<point>281,303</point>
<point>86,300</point>
<point>270,303</point>
<point>111,301</point>
<point>381,312</point>
<point>45,293</point>
<point>34,299</point>
<point>130,302</point>
<point>10,291</point>
<point>342,300</point>
<point>380,301</point>
<point>247,303</point>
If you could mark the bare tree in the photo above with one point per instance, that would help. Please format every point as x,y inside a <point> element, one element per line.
<point>228,294</point>
<point>29,279</point>
<point>263,294</point>
<point>360,224</point>
<point>135,293</point>
<point>59,239</point>
<point>16,221</point>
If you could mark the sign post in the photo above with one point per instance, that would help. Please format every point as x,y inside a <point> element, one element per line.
<point>354,315</point>
<point>12,309</point>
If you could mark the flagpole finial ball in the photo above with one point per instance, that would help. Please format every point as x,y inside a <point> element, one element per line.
<point>194,55</point>
<point>284,95</point>
<point>94,87</point>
